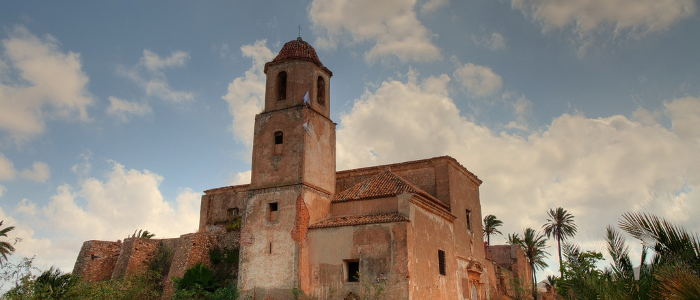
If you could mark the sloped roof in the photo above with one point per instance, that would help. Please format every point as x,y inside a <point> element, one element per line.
<point>385,184</point>
<point>297,49</point>
<point>360,220</point>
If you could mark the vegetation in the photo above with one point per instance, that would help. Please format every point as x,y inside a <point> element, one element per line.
<point>491,224</point>
<point>672,271</point>
<point>560,225</point>
<point>234,225</point>
<point>533,244</point>
<point>5,247</point>
<point>142,234</point>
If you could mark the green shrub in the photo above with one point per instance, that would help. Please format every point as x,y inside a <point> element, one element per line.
<point>235,225</point>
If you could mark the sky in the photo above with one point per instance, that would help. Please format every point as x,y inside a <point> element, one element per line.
<point>116,116</point>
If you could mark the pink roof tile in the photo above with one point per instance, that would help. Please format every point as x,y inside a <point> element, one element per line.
<point>385,184</point>
<point>297,49</point>
<point>360,220</point>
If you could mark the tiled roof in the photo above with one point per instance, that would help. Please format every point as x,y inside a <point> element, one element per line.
<point>360,220</point>
<point>297,49</point>
<point>385,184</point>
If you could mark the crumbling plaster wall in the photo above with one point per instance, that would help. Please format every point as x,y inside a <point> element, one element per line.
<point>381,250</point>
<point>269,254</point>
<point>427,234</point>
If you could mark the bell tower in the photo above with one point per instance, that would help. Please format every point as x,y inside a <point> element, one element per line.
<point>293,173</point>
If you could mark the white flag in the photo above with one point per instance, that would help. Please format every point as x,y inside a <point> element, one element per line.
<point>306,127</point>
<point>306,99</point>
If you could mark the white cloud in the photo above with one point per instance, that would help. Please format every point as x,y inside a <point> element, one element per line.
<point>109,208</point>
<point>391,25</point>
<point>40,172</point>
<point>578,163</point>
<point>7,168</point>
<point>635,15</point>
<point>480,81</point>
<point>431,6</point>
<point>495,41</point>
<point>51,85</point>
<point>155,83</point>
<point>26,206</point>
<point>122,109</point>
<point>3,189</point>
<point>155,63</point>
<point>82,169</point>
<point>240,178</point>
<point>685,114</point>
<point>246,95</point>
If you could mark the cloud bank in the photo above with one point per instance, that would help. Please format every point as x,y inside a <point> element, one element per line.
<point>39,82</point>
<point>391,26</point>
<point>595,168</point>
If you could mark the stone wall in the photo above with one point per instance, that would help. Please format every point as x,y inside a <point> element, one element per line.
<point>192,248</point>
<point>96,260</point>
<point>512,266</point>
<point>135,255</point>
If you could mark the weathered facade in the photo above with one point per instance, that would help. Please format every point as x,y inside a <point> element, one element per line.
<point>405,231</point>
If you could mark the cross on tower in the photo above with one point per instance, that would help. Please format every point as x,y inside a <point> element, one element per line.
<point>299,30</point>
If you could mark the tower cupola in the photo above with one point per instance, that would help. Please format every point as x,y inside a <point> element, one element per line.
<point>294,73</point>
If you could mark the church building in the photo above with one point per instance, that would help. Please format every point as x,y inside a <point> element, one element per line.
<point>409,230</point>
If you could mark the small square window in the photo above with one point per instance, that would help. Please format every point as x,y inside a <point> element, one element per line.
<point>272,212</point>
<point>441,262</point>
<point>352,271</point>
<point>279,139</point>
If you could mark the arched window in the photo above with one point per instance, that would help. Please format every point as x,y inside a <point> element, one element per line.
<point>281,86</point>
<point>321,91</point>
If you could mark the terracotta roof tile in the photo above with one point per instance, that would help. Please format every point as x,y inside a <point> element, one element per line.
<point>385,184</point>
<point>360,220</point>
<point>297,49</point>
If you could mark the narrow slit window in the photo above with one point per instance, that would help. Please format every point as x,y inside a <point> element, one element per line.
<point>352,267</point>
<point>270,248</point>
<point>321,91</point>
<point>272,211</point>
<point>282,86</point>
<point>441,262</point>
<point>279,141</point>
<point>469,221</point>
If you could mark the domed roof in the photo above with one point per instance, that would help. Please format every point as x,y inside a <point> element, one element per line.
<point>297,49</point>
<point>300,50</point>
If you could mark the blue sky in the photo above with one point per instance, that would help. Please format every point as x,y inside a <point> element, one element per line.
<point>116,116</point>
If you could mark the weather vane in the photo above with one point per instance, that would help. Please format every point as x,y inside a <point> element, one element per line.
<point>299,26</point>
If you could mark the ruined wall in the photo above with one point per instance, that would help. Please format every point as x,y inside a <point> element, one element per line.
<point>96,260</point>
<point>191,249</point>
<point>511,264</point>
<point>134,257</point>
<point>380,249</point>
<point>221,206</point>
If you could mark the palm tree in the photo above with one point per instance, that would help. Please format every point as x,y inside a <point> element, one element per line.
<point>560,225</point>
<point>491,225</point>
<point>5,247</point>
<point>533,244</point>
<point>513,239</point>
